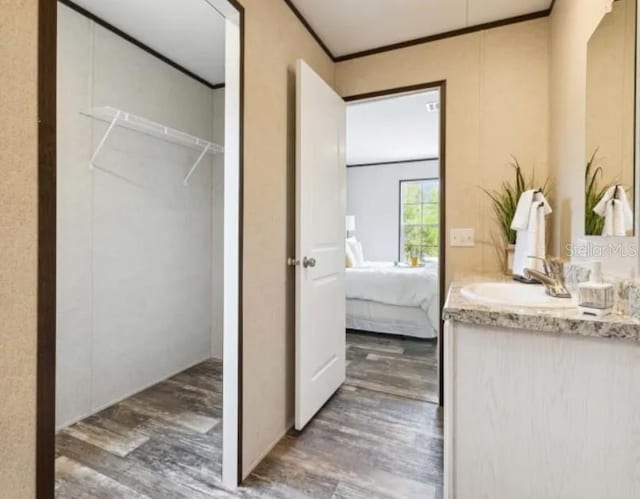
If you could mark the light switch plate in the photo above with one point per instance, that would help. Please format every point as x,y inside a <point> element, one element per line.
<point>463,238</point>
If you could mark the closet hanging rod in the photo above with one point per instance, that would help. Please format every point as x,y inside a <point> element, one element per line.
<point>118,117</point>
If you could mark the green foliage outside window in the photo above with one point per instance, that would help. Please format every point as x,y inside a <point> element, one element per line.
<point>420,217</point>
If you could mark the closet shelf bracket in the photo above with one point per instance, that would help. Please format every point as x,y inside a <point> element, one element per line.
<point>104,139</point>
<point>117,117</point>
<point>195,165</point>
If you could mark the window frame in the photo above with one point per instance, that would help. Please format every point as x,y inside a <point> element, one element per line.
<point>400,213</point>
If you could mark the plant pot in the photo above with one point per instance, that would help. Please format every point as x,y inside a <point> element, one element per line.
<point>509,252</point>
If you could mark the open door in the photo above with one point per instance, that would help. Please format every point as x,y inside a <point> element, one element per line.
<point>320,233</point>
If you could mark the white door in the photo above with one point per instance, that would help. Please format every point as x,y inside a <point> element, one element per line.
<point>320,233</point>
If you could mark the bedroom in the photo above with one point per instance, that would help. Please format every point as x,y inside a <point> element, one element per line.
<point>393,243</point>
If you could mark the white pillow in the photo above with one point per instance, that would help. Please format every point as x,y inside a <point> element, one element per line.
<point>356,250</point>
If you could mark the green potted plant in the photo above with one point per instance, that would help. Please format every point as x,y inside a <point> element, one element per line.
<point>504,202</point>
<point>593,192</point>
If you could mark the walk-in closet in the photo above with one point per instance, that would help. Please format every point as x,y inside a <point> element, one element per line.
<point>140,247</point>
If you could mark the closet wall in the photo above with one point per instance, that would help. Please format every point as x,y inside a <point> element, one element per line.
<point>217,228</point>
<point>135,245</point>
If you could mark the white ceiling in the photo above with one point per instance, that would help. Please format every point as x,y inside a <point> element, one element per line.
<point>393,129</point>
<point>189,32</point>
<point>349,26</point>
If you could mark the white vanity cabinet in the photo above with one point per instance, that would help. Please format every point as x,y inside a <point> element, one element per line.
<point>537,414</point>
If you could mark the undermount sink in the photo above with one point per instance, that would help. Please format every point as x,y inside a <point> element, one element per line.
<point>515,294</point>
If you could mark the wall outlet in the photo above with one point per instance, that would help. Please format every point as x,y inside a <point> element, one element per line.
<point>463,238</point>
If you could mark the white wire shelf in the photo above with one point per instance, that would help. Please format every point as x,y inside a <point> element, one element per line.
<point>117,117</point>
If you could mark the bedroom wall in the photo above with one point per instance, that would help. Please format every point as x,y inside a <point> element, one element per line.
<point>134,244</point>
<point>373,196</point>
<point>497,105</point>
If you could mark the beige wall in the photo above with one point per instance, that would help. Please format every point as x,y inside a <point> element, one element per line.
<point>18,258</point>
<point>497,105</point>
<point>572,23</point>
<point>275,39</point>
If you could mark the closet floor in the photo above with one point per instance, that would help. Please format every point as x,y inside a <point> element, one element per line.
<point>378,436</point>
<point>164,442</point>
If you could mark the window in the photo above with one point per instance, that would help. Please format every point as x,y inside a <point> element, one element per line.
<point>419,218</point>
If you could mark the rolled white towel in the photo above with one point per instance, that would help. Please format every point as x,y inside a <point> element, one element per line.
<point>615,208</point>
<point>601,207</point>
<point>543,209</point>
<point>621,196</point>
<point>531,240</point>
<point>522,218</point>
<point>614,219</point>
<point>523,210</point>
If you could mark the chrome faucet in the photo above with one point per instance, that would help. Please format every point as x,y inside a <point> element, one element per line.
<point>552,278</point>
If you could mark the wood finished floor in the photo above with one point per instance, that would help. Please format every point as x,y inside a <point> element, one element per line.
<point>404,367</point>
<point>378,437</point>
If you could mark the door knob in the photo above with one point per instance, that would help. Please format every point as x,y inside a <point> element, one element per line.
<point>292,262</point>
<point>308,262</point>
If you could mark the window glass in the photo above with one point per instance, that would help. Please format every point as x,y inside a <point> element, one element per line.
<point>419,218</point>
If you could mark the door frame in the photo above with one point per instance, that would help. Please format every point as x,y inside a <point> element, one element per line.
<point>46,251</point>
<point>441,85</point>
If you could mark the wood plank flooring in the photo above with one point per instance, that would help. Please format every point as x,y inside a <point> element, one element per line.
<point>378,437</point>
<point>164,442</point>
<point>401,366</point>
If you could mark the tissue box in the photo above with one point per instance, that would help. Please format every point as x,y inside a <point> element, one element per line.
<point>596,295</point>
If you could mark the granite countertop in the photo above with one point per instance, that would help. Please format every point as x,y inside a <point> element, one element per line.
<point>549,320</point>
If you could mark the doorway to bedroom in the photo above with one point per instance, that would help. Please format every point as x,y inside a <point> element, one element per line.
<point>366,408</point>
<point>392,245</point>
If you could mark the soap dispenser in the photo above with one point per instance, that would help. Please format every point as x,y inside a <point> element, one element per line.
<point>595,297</point>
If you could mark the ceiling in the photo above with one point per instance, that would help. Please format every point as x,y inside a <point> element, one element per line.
<point>393,129</point>
<point>189,32</point>
<point>352,26</point>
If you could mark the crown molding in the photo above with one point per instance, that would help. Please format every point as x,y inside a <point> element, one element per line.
<point>311,31</point>
<point>417,41</point>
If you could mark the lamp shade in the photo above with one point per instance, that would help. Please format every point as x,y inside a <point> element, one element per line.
<point>350,223</point>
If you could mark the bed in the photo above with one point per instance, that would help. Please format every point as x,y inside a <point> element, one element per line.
<point>384,298</point>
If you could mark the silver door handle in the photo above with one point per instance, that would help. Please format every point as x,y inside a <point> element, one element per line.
<point>292,262</point>
<point>308,262</point>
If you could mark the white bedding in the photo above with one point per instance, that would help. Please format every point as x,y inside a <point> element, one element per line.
<point>399,286</point>
<point>389,319</point>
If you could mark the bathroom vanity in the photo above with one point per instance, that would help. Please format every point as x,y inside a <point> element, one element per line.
<point>540,401</point>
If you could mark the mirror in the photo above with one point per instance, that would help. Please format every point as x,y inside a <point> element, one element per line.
<point>610,123</point>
